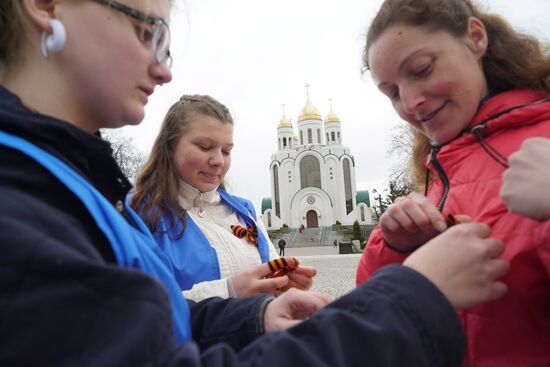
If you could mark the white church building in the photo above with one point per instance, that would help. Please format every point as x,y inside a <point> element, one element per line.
<point>313,175</point>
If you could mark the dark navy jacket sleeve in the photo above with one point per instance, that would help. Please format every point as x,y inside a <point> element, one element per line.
<point>398,318</point>
<point>231,321</point>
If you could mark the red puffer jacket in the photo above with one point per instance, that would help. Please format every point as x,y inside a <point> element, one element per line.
<point>515,330</point>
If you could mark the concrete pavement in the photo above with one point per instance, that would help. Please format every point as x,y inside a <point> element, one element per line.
<point>336,273</point>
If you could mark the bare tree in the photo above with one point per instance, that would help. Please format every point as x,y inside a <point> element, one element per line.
<point>128,157</point>
<point>400,148</point>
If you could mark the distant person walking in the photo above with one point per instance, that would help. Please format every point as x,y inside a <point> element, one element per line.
<point>335,243</point>
<point>282,244</point>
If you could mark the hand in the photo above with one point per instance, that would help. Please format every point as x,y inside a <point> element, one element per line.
<point>462,262</point>
<point>251,282</point>
<point>411,221</point>
<point>525,183</point>
<point>301,278</point>
<point>291,307</point>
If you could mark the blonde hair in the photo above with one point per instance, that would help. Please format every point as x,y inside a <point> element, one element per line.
<point>157,183</point>
<point>512,60</point>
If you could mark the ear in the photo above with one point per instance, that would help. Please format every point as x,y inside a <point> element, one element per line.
<point>40,12</point>
<point>476,36</point>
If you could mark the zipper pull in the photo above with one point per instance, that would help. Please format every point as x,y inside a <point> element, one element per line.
<point>199,203</point>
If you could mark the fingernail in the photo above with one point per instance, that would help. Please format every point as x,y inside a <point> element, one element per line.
<point>440,225</point>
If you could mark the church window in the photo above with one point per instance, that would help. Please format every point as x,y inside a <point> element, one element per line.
<point>318,136</point>
<point>301,137</point>
<point>279,143</point>
<point>362,214</point>
<point>347,185</point>
<point>332,135</point>
<point>269,219</point>
<point>276,189</point>
<point>310,172</point>
<point>327,138</point>
<point>284,142</point>
<point>309,136</point>
<point>339,137</point>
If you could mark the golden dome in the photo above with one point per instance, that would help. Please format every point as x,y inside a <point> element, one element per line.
<point>285,122</point>
<point>331,117</point>
<point>309,112</point>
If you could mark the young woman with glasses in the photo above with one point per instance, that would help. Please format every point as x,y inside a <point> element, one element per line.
<point>82,282</point>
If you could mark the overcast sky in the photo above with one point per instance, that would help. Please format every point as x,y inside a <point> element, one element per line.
<point>255,55</point>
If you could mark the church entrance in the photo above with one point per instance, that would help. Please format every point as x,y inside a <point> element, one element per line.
<point>312,221</point>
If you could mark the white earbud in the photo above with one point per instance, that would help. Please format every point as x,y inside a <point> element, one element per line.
<point>54,42</point>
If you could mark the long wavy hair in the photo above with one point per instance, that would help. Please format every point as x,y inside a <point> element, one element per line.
<point>157,183</point>
<point>512,60</point>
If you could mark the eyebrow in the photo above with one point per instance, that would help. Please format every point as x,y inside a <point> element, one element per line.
<point>402,65</point>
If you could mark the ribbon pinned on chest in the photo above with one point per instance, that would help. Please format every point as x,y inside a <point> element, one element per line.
<point>250,233</point>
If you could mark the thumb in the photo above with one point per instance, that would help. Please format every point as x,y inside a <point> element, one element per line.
<point>260,271</point>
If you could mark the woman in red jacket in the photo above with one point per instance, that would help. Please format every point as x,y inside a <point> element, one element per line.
<point>473,90</point>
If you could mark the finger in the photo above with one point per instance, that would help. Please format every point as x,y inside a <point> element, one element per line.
<point>299,281</point>
<point>493,247</point>
<point>496,291</point>
<point>271,284</point>
<point>308,271</point>
<point>260,271</point>
<point>304,304</point>
<point>400,218</point>
<point>436,219</point>
<point>291,262</point>
<point>478,229</point>
<point>421,216</point>
<point>325,298</point>
<point>497,268</point>
<point>462,218</point>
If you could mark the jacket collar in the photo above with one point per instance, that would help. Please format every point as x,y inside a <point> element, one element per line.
<point>87,153</point>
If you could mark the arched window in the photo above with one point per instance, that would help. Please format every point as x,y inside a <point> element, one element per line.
<point>279,143</point>
<point>327,139</point>
<point>269,219</point>
<point>309,136</point>
<point>276,189</point>
<point>347,185</point>
<point>301,137</point>
<point>284,142</point>
<point>310,172</point>
<point>332,135</point>
<point>339,141</point>
<point>362,213</point>
<point>318,136</point>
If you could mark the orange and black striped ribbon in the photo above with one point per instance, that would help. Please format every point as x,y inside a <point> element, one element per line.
<point>250,233</point>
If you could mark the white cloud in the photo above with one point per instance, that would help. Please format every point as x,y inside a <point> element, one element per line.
<point>256,55</point>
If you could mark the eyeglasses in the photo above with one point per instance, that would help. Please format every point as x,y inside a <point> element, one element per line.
<point>158,37</point>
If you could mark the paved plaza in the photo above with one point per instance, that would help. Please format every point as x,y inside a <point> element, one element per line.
<point>336,273</point>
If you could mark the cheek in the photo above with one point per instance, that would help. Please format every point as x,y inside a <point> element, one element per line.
<point>227,164</point>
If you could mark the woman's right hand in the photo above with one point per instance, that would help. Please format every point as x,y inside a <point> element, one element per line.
<point>410,222</point>
<point>251,282</point>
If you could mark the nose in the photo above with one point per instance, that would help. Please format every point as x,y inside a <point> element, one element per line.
<point>216,159</point>
<point>160,72</point>
<point>412,99</point>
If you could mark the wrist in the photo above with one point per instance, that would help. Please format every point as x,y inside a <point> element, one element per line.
<point>261,313</point>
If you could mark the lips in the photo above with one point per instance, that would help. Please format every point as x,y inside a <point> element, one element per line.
<point>210,176</point>
<point>430,116</point>
<point>145,92</point>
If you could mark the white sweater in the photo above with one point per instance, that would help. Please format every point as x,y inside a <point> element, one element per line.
<point>234,254</point>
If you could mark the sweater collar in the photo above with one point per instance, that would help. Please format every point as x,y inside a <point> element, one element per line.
<point>191,197</point>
